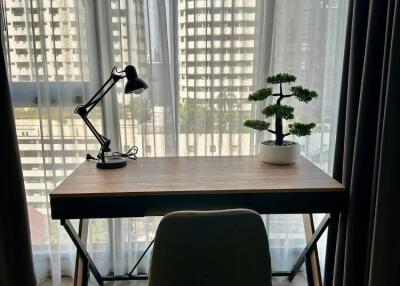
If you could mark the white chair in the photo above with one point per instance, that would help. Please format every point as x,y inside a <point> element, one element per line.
<point>193,248</point>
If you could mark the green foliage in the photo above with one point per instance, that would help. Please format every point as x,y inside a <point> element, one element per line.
<point>197,117</point>
<point>301,129</point>
<point>260,94</point>
<point>282,111</point>
<point>279,111</point>
<point>303,94</point>
<point>137,109</point>
<point>281,78</point>
<point>257,124</point>
<point>194,117</point>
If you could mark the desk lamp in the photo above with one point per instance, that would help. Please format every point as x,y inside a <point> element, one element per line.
<point>134,85</point>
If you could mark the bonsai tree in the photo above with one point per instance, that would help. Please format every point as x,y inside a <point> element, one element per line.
<point>281,111</point>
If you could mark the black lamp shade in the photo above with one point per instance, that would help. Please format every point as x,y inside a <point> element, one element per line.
<point>134,83</point>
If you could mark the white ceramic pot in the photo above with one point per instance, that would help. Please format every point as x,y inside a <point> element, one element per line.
<point>281,155</point>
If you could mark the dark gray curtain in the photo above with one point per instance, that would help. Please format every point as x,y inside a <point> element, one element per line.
<point>16,266</point>
<point>367,158</point>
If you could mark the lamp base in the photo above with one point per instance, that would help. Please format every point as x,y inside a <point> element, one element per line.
<point>112,162</point>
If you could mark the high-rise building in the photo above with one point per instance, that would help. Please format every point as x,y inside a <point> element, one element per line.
<point>47,71</point>
<point>216,51</point>
<point>47,50</point>
<point>43,41</point>
<point>216,45</point>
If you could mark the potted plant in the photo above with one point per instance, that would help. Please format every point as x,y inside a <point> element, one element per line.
<point>280,151</point>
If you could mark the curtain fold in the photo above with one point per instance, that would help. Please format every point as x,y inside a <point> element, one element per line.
<point>366,155</point>
<point>16,264</point>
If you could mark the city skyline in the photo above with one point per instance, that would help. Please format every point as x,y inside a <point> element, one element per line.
<point>50,74</point>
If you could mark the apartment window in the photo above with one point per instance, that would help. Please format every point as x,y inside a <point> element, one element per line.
<point>18,11</point>
<point>20,38</point>
<point>213,148</point>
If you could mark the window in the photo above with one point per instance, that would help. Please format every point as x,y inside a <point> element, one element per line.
<point>196,107</point>
<point>44,92</point>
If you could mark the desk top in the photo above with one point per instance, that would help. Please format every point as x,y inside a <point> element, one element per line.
<point>195,175</point>
<point>156,186</point>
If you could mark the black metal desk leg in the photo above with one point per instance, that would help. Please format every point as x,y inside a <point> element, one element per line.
<point>81,276</point>
<point>331,250</point>
<point>312,261</point>
<point>310,246</point>
<point>82,249</point>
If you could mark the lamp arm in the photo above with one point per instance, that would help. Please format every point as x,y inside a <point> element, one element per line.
<point>84,110</point>
<point>92,99</point>
<point>102,139</point>
<point>95,98</point>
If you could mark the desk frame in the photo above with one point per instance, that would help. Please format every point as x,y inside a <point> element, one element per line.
<point>202,183</point>
<point>303,258</point>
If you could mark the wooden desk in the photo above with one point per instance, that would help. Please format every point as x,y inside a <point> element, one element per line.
<point>156,186</point>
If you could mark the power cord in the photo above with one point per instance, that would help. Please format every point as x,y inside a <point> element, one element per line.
<point>130,154</point>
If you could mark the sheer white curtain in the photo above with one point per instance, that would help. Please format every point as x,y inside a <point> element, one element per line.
<point>201,59</point>
<point>48,73</point>
<point>308,42</point>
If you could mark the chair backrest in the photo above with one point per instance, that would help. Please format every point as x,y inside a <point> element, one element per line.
<point>210,248</point>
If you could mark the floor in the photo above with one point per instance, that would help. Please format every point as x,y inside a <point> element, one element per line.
<point>300,280</point>
<point>281,259</point>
